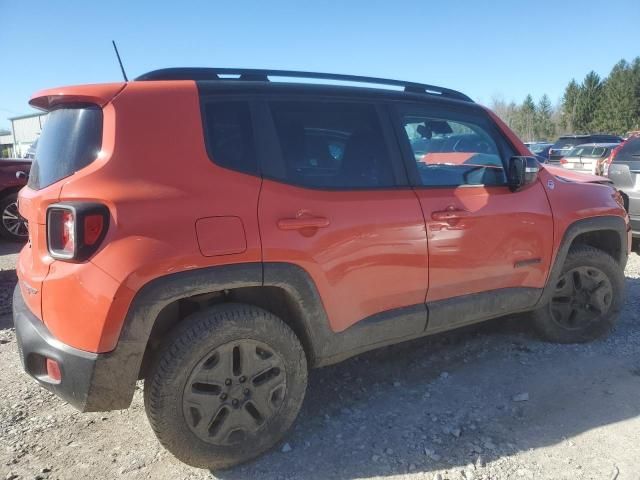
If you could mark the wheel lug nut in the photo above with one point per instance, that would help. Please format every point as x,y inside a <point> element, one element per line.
<point>227,381</point>
<point>242,379</point>
<point>246,391</point>
<point>223,396</point>
<point>234,402</point>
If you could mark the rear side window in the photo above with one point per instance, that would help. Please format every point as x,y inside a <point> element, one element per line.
<point>332,145</point>
<point>71,139</point>
<point>229,135</point>
<point>630,151</point>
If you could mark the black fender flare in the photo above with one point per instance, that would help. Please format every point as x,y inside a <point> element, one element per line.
<point>584,225</point>
<point>116,372</point>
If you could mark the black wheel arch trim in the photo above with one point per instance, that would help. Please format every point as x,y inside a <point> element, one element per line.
<point>577,228</point>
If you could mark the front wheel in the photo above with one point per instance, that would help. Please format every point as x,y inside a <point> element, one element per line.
<point>226,387</point>
<point>586,300</point>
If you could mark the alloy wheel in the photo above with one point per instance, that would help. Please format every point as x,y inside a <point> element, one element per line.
<point>13,222</point>
<point>234,391</point>
<point>581,296</point>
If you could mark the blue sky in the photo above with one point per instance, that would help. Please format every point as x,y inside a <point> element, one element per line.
<point>485,49</point>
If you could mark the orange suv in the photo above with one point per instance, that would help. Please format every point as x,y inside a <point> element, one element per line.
<point>216,234</point>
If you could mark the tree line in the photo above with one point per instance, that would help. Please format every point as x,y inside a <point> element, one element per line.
<point>597,105</point>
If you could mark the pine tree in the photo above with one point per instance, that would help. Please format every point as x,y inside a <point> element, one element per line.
<point>588,103</point>
<point>618,109</point>
<point>544,128</point>
<point>527,119</point>
<point>569,104</point>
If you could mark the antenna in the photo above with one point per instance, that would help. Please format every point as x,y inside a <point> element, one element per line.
<point>119,61</point>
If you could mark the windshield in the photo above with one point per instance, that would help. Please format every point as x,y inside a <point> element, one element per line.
<point>539,147</point>
<point>587,151</point>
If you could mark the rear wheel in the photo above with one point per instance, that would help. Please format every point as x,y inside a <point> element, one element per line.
<point>12,225</point>
<point>226,387</point>
<point>586,299</point>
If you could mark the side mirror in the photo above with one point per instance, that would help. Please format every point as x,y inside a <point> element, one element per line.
<point>522,171</point>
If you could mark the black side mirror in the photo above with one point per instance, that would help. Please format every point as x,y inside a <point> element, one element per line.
<point>522,171</point>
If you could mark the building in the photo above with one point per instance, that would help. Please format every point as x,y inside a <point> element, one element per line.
<point>6,144</point>
<point>25,130</point>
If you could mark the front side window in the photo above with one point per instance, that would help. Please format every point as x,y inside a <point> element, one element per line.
<point>331,145</point>
<point>452,152</point>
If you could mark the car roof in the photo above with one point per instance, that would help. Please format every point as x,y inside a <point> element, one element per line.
<point>597,144</point>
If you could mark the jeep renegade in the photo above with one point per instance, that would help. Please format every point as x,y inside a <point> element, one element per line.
<point>216,233</point>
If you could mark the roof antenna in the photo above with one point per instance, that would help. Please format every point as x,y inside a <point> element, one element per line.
<point>119,61</point>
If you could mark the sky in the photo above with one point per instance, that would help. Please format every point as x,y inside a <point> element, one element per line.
<point>486,49</point>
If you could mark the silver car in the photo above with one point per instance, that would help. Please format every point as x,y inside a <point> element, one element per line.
<point>588,158</point>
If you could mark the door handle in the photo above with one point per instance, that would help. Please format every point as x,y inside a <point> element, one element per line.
<point>302,222</point>
<point>450,213</point>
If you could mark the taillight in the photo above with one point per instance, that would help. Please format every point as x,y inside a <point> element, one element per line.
<point>75,230</point>
<point>614,153</point>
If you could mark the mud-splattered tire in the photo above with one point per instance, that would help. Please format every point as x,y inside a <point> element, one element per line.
<point>226,386</point>
<point>586,300</point>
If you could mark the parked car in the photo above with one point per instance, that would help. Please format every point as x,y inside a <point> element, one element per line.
<point>285,226</point>
<point>589,158</point>
<point>624,170</point>
<point>13,176</point>
<point>31,151</point>
<point>539,149</point>
<point>566,143</point>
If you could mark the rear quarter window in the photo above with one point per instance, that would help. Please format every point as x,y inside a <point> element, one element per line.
<point>229,135</point>
<point>71,139</point>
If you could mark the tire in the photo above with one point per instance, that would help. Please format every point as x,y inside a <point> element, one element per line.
<point>12,226</point>
<point>226,386</point>
<point>586,300</point>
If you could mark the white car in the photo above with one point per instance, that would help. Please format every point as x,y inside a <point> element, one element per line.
<point>588,158</point>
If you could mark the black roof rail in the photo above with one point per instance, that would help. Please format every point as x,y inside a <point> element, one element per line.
<point>263,75</point>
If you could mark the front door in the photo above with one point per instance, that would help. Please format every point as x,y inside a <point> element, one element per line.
<point>334,202</point>
<point>483,238</point>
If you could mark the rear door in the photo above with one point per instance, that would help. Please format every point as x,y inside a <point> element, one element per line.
<point>483,239</point>
<point>335,201</point>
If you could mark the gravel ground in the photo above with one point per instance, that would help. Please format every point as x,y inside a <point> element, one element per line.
<point>491,402</point>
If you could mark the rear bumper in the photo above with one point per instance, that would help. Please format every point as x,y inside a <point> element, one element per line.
<point>90,381</point>
<point>634,211</point>
<point>635,226</point>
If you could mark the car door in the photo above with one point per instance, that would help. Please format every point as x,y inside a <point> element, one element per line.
<point>489,248</point>
<point>335,201</point>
